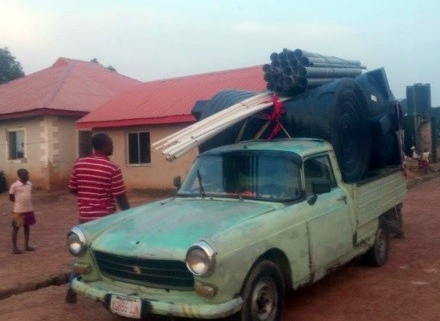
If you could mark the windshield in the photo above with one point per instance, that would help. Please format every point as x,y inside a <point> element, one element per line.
<point>244,175</point>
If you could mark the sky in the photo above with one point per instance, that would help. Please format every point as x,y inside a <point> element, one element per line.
<point>159,39</point>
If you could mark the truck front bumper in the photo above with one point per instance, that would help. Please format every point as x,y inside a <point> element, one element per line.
<point>183,305</point>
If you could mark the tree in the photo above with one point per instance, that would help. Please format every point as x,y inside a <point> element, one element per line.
<point>10,69</point>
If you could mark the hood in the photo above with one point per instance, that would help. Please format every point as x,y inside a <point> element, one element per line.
<point>166,229</point>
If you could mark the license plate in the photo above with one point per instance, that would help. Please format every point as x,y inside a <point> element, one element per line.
<point>126,306</point>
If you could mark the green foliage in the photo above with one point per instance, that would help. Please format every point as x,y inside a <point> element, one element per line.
<point>10,69</point>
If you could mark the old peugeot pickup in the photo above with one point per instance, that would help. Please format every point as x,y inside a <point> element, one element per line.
<point>249,222</point>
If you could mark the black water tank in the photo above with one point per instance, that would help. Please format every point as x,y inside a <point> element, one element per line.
<point>418,98</point>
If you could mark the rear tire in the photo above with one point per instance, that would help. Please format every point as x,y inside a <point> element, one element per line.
<point>377,255</point>
<point>263,294</point>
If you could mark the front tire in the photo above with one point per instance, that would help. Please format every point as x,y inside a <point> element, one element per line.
<point>263,294</point>
<point>378,254</point>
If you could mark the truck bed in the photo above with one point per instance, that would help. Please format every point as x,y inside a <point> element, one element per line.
<point>376,195</point>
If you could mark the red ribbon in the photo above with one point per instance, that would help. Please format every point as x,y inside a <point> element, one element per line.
<point>278,110</point>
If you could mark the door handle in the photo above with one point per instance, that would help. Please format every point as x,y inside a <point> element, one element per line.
<point>342,198</point>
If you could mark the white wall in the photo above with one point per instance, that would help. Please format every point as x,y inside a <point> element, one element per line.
<point>49,150</point>
<point>159,174</point>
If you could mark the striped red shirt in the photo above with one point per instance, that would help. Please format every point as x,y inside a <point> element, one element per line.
<point>97,181</point>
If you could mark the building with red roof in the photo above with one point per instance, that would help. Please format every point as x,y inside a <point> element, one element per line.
<point>38,115</point>
<point>153,110</point>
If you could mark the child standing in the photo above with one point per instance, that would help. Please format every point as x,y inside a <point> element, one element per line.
<point>23,214</point>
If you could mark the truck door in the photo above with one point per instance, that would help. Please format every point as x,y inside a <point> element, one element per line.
<point>329,225</point>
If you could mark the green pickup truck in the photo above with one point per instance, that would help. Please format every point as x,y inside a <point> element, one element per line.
<point>250,221</point>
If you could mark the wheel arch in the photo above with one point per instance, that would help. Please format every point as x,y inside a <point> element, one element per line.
<point>279,258</point>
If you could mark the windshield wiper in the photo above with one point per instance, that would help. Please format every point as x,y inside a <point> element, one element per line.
<point>199,178</point>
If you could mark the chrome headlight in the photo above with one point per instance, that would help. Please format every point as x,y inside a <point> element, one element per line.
<point>200,259</point>
<point>76,242</point>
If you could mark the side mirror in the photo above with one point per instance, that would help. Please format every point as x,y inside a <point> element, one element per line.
<point>319,186</point>
<point>312,199</point>
<point>177,182</point>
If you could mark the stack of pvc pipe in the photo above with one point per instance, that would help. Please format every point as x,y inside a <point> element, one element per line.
<point>291,72</point>
<point>181,142</point>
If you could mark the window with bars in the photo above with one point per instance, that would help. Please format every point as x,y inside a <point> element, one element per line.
<point>139,148</point>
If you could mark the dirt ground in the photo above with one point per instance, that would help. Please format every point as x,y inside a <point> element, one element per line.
<point>32,285</point>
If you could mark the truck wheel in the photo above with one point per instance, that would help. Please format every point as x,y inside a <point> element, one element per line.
<point>378,254</point>
<point>263,294</point>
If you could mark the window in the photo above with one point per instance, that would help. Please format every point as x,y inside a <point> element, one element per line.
<point>244,174</point>
<point>16,144</point>
<point>318,168</point>
<point>85,143</point>
<point>139,148</point>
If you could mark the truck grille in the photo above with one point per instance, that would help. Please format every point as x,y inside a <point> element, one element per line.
<point>164,274</point>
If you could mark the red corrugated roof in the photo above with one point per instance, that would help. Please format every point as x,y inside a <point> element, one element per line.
<point>170,100</point>
<point>67,87</point>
